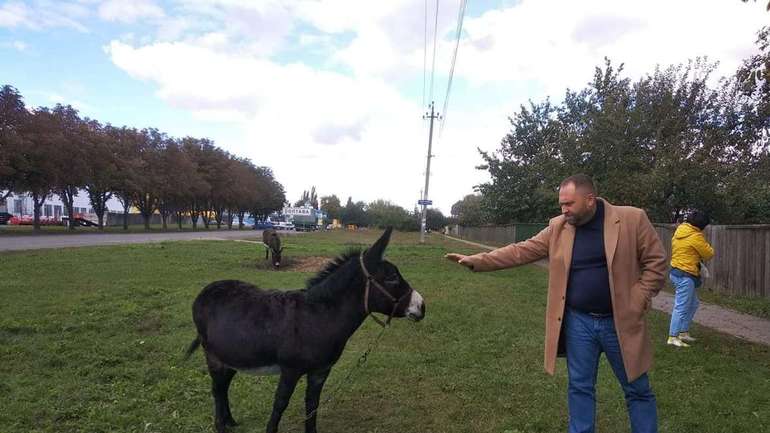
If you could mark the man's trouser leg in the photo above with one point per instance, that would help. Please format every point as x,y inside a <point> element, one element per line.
<point>640,401</point>
<point>583,349</point>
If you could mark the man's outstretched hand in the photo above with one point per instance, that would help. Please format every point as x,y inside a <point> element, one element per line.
<point>461,259</point>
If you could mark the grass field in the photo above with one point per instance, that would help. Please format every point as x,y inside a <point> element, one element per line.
<point>91,340</point>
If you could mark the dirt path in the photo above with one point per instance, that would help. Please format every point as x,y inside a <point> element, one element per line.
<point>740,325</point>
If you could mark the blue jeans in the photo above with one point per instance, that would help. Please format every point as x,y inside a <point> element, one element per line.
<point>586,338</point>
<point>685,301</point>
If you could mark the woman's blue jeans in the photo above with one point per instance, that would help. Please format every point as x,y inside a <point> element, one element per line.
<point>685,302</point>
<point>586,338</point>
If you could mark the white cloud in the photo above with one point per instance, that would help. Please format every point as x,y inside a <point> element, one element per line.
<point>359,133</point>
<point>43,14</point>
<point>129,11</point>
<point>348,136</point>
<point>19,46</point>
<point>557,43</point>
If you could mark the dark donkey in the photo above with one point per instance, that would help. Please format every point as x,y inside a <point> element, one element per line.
<point>272,245</point>
<point>298,332</point>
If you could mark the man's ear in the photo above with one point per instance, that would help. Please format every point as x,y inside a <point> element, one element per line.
<point>377,251</point>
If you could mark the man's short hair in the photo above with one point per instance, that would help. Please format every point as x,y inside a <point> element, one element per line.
<point>581,181</point>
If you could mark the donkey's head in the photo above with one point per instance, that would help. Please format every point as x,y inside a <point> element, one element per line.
<point>276,256</point>
<point>388,292</point>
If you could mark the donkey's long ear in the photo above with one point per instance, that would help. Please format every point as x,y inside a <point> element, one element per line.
<point>377,251</point>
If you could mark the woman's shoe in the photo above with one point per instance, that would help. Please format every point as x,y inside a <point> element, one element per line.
<point>675,341</point>
<point>685,336</point>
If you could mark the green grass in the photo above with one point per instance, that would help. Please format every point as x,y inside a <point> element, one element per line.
<point>91,340</point>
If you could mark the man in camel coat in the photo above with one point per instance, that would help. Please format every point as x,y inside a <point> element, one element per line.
<point>605,264</point>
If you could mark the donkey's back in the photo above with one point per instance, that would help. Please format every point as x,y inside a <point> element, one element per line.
<point>271,238</point>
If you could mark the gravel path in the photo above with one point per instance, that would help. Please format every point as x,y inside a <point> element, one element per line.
<point>743,326</point>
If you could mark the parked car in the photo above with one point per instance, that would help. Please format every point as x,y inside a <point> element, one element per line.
<point>263,225</point>
<point>5,217</point>
<point>283,226</point>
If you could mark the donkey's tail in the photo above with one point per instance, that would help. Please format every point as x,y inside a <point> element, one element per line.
<point>193,346</point>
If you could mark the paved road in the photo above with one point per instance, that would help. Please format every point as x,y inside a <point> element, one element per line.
<point>744,326</point>
<point>35,242</point>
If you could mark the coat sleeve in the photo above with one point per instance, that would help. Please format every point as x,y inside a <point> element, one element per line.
<point>534,248</point>
<point>652,258</point>
<point>704,249</point>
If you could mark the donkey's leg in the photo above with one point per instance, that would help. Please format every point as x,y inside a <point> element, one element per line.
<point>221,376</point>
<point>229,421</point>
<point>286,385</point>
<point>315,383</point>
<point>267,254</point>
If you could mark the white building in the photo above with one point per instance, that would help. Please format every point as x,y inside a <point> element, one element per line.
<point>21,205</point>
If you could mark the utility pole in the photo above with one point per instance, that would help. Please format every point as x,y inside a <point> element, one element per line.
<point>425,201</point>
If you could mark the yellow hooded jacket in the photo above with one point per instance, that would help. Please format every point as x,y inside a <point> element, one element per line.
<point>688,248</point>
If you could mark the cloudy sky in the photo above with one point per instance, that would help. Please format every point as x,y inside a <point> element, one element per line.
<point>330,92</point>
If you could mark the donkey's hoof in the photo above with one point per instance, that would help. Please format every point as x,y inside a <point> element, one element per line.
<point>231,422</point>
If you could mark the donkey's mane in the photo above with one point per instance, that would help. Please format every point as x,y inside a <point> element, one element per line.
<point>316,290</point>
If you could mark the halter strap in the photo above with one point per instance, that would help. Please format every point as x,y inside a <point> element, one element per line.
<point>371,281</point>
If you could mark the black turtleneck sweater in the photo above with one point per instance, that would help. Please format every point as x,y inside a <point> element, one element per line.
<point>588,288</point>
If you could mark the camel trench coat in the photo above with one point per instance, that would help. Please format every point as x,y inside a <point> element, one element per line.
<point>636,263</point>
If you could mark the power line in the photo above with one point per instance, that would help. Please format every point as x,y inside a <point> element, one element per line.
<point>460,16</point>
<point>433,68</point>
<point>425,55</point>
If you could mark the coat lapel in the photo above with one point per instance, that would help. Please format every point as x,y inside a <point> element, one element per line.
<point>568,232</point>
<point>611,232</point>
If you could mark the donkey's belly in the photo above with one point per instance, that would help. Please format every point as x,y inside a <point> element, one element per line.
<point>262,371</point>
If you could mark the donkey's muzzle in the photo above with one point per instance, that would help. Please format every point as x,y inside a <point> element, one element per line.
<point>416,309</point>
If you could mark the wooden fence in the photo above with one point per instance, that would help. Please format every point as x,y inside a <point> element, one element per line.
<point>741,265</point>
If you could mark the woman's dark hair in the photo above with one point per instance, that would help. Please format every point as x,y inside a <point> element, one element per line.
<point>699,219</point>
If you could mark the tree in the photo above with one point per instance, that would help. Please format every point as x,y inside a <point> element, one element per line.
<point>70,160</point>
<point>269,195</point>
<point>308,197</point>
<point>38,172</point>
<point>468,211</point>
<point>354,213</point>
<point>102,168</point>
<point>435,219</point>
<point>382,214</point>
<point>127,143</point>
<point>150,177</point>
<point>13,117</point>
<point>176,169</point>
<point>666,143</point>
<point>331,205</point>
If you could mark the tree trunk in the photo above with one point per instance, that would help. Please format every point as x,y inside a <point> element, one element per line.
<point>99,202</point>
<point>67,195</point>
<point>179,219</point>
<point>37,203</point>
<point>229,220</point>
<point>125,200</point>
<point>241,216</point>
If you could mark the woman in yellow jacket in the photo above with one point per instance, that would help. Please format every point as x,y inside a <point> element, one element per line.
<point>688,249</point>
